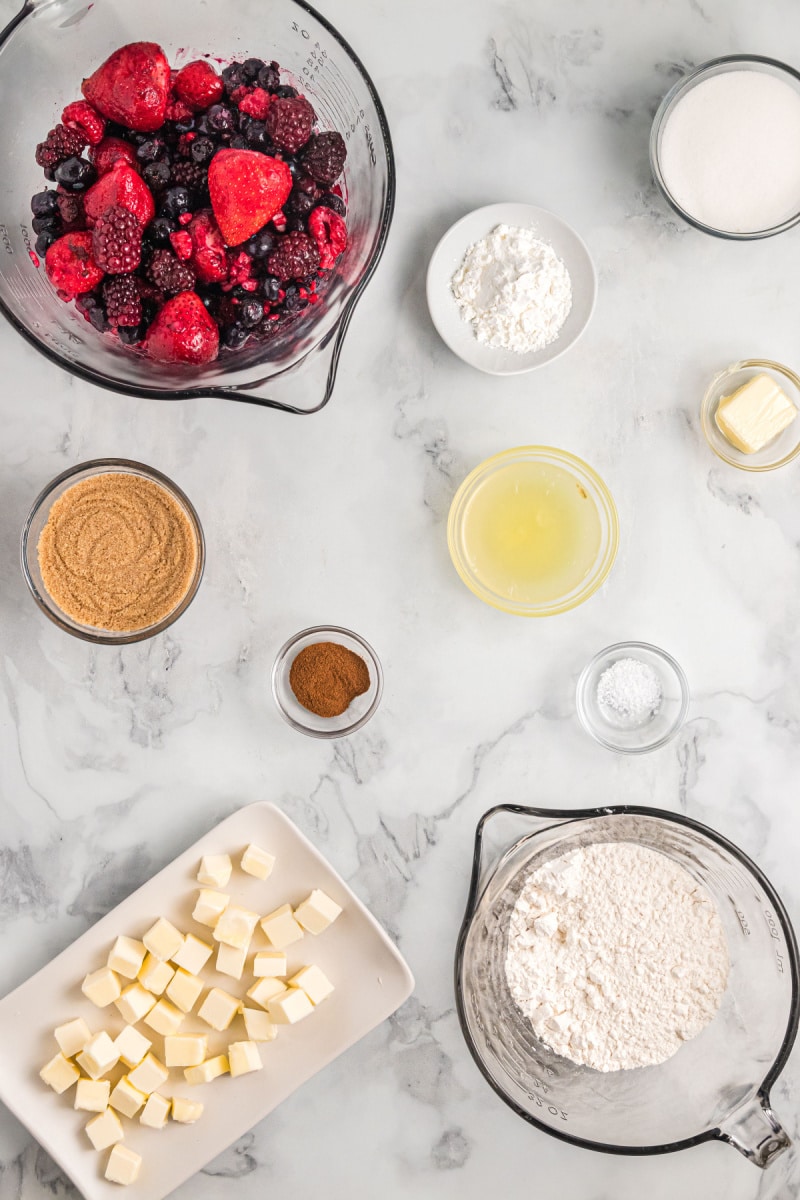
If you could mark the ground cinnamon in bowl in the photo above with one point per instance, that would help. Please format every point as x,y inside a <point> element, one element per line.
<point>326,678</point>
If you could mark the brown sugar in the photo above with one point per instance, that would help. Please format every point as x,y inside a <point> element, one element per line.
<point>117,552</point>
<point>326,678</point>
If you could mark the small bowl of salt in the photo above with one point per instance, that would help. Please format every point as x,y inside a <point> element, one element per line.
<point>632,697</point>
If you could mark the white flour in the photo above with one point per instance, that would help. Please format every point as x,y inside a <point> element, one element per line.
<point>514,289</point>
<point>616,955</point>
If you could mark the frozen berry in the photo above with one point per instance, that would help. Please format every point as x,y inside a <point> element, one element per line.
<point>299,203</point>
<point>151,150</point>
<point>123,302</point>
<point>260,245</point>
<point>255,133</point>
<point>86,120</point>
<point>176,201</point>
<point>169,274</point>
<point>44,204</point>
<point>157,176</point>
<point>71,210</point>
<point>250,313</point>
<point>329,233</point>
<point>51,224</point>
<point>70,264</point>
<point>234,336</point>
<point>294,257</point>
<point>117,241</point>
<point>324,157</point>
<point>190,175</point>
<point>112,150</point>
<point>269,77</point>
<point>289,122</point>
<point>285,92</point>
<point>158,231</point>
<point>233,76</point>
<point>44,241</point>
<point>221,119</point>
<point>199,85</point>
<point>202,150</point>
<point>251,68</point>
<point>256,104</point>
<point>75,174</point>
<point>335,203</point>
<point>60,144</point>
<point>271,287</point>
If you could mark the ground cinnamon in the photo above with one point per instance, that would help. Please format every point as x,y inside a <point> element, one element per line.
<point>326,678</point>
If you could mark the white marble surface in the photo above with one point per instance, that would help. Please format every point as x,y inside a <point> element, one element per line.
<point>112,761</point>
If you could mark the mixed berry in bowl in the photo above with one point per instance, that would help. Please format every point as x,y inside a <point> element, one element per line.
<point>191,210</point>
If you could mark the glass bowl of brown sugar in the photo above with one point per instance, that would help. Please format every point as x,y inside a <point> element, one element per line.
<point>112,551</point>
<point>327,681</point>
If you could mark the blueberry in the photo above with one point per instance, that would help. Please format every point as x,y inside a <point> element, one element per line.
<point>152,150</point>
<point>176,202</point>
<point>234,335</point>
<point>296,224</point>
<point>238,143</point>
<point>257,137</point>
<point>233,76</point>
<point>334,202</point>
<point>75,175</point>
<point>294,301</point>
<point>221,119</point>
<point>49,174</point>
<point>44,204</point>
<point>156,175</point>
<point>185,125</point>
<point>269,77</point>
<point>270,286</point>
<point>201,125</point>
<point>136,137</point>
<point>50,224</point>
<point>250,313</point>
<point>251,68</point>
<point>299,203</point>
<point>131,335</point>
<point>97,318</point>
<point>202,150</point>
<point>285,92</point>
<point>44,241</point>
<point>210,299</point>
<point>158,231</point>
<point>260,245</point>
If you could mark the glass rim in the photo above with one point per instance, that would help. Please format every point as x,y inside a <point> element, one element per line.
<point>279,664</point>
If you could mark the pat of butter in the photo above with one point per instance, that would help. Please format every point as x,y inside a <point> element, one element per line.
<point>218,1009</point>
<point>186,1111</point>
<point>231,960</point>
<point>215,870</point>
<point>163,940</point>
<point>134,1003</point>
<point>281,927</point>
<point>269,963</point>
<point>212,1068</point>
<point>126,957</point>
<point>193,955</point>
<point>127,1099</point>
<point>164,1018</point>
<point>131,1045</point>
<point>314,983</point>
<point>291,1006</point>
<point>123,1165</point>
<point>257,862</point>
<point>317,912</point>
<point>101,987</point>
<point>99,1056</point>
<point>184,990</point>
<point>155,975</point>
<point>243,1058</point>
<point>210,906</point>
<point>155,1112</point>
<point>149,1075</point>
<point>264,990</point>
<point>91,1095</point>
<point>72,1036</point>
<point>105,1130</point>
<point>755,414</point>
<point>59,1074</point>
<point>258,1025</point>
<point>235,927</point>
<point>185,1050</point>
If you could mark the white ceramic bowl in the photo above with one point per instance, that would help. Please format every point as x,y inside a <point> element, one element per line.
<point>459,335</point>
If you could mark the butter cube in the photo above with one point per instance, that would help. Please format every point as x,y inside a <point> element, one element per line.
<point>317,912</point>
<point>244,1058</point>
<point>210,906</point>
<point>314,983</point>
<point>155,975</point>
<point>155,1112</point>
<point>186,1112</point>
<point>91,1095</point>
<point>165,1018</point>
<point>126,1098</point>
<point>256,861</point>
<point>218,1009</point>
<point>163,940</point>
<point>105,1130</point>
<point>149,1075</point>
<point>258,1026</point>
<point>126,957</point>
<point>212,1068</point>
<point>193,955</point>
<point>99,1056</point>
<point>291,1006</point>
<point>72,1037</point>
<point>281,927</point>
<point>215,870</point>
<point>134,1003</point>
<point>131,1045</point>
<point>184,990</point>
<point>123,1165</point>
<point>185,1050</point>
<point>59,1074</point>
<point>235,926</point>
<point>101,987</point>
<point>269,963</point>
<point>231,961</point>
<point>264,990</point>
<point>755,414</point>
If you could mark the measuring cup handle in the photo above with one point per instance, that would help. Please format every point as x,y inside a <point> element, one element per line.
<point>499,829</point>
<point>313,376</point>
<point>756,1132</point>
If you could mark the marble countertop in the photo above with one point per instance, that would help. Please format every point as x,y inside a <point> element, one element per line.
<point>115,760</point>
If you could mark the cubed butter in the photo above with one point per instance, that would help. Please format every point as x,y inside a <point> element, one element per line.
<point>98,1056</point>
<point>163,940</point>
<point>123,1165</point>
<point>244,1058</point>
<point>258,1026</point>
<point>155,1112</point>
<point>264,990</point>
<point>155,975</point>
<point>281,927</point>
<point>134,1003</point>
<point>218,1009</point>
<point>184,990</point>
<point>126,957</point>
<point>164,1017</point>
<point>149,1075</point>
<point>72,1036</point>
<point>215,870</point>
<point>212,1068</point>
<point>755,414</point>
<point>186,1112</point>
<point>235,926</point>
<point>105,1130</point>
<point>269,963</point>
<point>193,955</point>
<point>314,982</point>
<point>231,960</point>
<point>131,1045</point>
<point>185,1050</point>
<point>291,1006</point>
<point>126,1098</point>
<point>256,861</point>
<point>101,987</point>
<point>59,1074</point>
<point>91,1095</point>
<point>317,912</point>
<point>210,906</point>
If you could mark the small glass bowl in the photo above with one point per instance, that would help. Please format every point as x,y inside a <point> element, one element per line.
<point>300,718</point>
<point>37,519</point>
<point>715,66</point>
<point>776,453</point>
<point>614,732</point>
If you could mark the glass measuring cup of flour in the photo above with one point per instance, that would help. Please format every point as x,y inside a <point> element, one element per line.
<point>717,1085</point>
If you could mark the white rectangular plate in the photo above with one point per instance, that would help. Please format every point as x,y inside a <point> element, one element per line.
<point>370,976</point>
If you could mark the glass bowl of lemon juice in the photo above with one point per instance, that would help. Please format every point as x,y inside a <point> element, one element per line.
<point>533,531</point>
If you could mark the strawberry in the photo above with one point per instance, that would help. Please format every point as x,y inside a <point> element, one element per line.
<point>256,104</point>
<point>329,232</point>
<point>183,332</point>
<point>82,116</point>
<point>247,188</point>
<point>110,151</point>
<point>121,185</point>
<point>198,85</point>
<point>208,249</point>
<point>131,87</point>
<point>70,264</point>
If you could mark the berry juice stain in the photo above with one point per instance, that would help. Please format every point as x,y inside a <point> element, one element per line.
<point>34,259</point>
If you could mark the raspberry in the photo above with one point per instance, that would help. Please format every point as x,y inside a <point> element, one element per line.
<point>81,117</point>
<point>329,233</point>
<point>324,157</point>
<point>117,241</point>
<point>123,302</point>
<point>294,257</point>
<point>59,145</point>
<point>256,104</point>
<point>190,175</point>
<point>181,242</point>
<point>169,274</point>
<point>289,122</point>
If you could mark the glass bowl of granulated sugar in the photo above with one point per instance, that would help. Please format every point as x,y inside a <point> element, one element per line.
<point>725,147</point>
<point>632,697</point>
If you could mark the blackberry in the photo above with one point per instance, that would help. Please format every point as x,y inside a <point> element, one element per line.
<point>221,119</point>
<point>44,241</point>
<point>294,257</point>
<point>250,313</point>
<point>117,241</point>
<point>169,274</point>
<point>233,76</point>
<point>44,204</point>
<point>260,245</point>
<point>157,176</point>
<point>152,150</point>
<point>50,224</point>
<point>202,150</point>
<point>234,336</point>
<point>334,203</point>
<point>251,67</point>
<point>158,231</point>
<point>190,175</point>
<point>75,174</point>
<point>60,144</point>
<point>176,202</point>
<point>324,157</point>
<point>286,93</point>
<point>269,77</point>
<point>289,122</point>
<point>123,302</point>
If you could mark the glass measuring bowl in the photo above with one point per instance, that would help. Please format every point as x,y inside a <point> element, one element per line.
<point>44,52</point>
<point>718,1084</point>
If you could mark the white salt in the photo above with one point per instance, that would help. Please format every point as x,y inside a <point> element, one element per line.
<point>631,689</point>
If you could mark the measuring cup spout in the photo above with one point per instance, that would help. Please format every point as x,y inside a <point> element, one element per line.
<point>756,1132</point>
